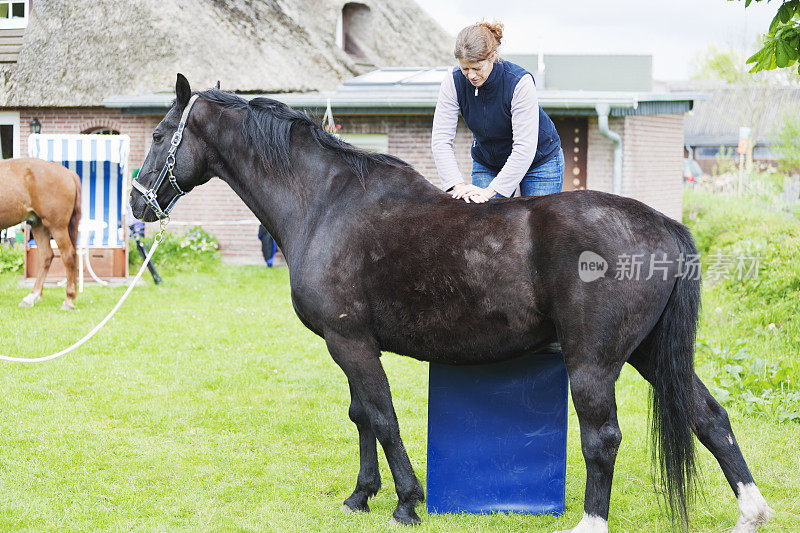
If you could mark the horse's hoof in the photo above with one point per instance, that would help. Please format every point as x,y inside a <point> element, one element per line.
<point>753,509</point>
<point>346,509</point>
<point>350,506</point>
<point>394,522</point>
<point>752,523</point>
<point>29,300</point>
<point>68,306</point>
<point>410,519</point>
<point>588,524</point>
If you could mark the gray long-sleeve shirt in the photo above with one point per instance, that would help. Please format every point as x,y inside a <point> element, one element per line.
<point>524,125</point>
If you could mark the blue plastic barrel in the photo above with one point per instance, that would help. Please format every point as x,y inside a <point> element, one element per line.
<point>497,436</point>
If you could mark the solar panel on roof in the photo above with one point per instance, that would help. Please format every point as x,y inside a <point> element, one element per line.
<point>434,76</point>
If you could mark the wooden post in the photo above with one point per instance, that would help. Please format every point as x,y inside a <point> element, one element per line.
<point>744,140</point>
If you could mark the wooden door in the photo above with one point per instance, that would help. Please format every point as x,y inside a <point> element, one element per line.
<point>574,133</point>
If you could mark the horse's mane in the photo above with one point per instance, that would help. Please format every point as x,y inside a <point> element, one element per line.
<point>267,126</point>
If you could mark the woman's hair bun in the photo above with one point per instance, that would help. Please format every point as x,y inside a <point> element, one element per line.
<point>478,42</point>
<point>496,29</point>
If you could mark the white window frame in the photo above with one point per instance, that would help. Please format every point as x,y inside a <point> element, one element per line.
<point>375,142</point>
<point>14,23</point>
<point>11,118</point>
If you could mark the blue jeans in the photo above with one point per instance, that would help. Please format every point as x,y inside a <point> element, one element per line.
<point>547,178</point>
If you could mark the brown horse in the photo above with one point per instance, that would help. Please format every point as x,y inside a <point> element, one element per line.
<point>48,196</point>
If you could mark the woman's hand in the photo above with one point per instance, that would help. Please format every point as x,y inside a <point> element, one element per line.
<point>479,195</point>
<point>462,190</point>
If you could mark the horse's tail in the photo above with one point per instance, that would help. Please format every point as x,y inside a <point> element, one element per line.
<point>75,219</point>
<point>672,359</point>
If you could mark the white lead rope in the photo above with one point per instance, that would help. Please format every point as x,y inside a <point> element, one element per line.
<point>159,238</point>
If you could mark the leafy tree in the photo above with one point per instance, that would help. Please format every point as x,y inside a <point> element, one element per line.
<point>781,44</point>
<point>720,64</point>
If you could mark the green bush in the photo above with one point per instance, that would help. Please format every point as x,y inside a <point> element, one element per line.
<point>726,161</point>
<point>195,249</point>
<point>741,228</point>
<point>749,335</point>
<point>786,142</point>
<point>11,259</point>
<point>719,221</point>
<point>754,383</point>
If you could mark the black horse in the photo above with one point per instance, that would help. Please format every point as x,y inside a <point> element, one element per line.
<point>382,260</point>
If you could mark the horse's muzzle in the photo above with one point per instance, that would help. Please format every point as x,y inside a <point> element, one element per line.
<point>141,211</point>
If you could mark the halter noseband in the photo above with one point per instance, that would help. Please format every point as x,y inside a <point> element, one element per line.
<point>149,195</point>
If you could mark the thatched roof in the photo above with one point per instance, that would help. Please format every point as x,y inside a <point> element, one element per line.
<point>79,52</point>
<point>716,121</point>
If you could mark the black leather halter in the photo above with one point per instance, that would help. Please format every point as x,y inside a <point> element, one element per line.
<point>149,195</point>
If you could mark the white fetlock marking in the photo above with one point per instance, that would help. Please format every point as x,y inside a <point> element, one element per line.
<point>31,299</point>
<point>753,509</point>
<point>590,524</point>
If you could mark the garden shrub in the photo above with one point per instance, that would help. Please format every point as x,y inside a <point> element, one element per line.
<point>11,259</point>
<point>751,334</point>
<point>193,250</point>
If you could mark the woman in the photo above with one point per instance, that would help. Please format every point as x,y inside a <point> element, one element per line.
<point>514,142</point>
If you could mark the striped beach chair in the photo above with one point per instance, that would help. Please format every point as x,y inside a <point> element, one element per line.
<point>101,161</point>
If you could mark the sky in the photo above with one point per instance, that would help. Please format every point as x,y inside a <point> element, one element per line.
<point>672,31</point>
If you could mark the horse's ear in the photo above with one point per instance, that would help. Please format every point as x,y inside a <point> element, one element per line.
<point>217,86</point>
<point>182,90</point>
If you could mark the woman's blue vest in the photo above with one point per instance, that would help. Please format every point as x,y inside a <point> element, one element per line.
<point>488,116</point>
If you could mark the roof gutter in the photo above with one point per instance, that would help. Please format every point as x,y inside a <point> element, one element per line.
<point>603,111</point>
<point>372,98</point>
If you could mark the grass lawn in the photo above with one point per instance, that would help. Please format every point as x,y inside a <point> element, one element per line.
<point>206,406</point>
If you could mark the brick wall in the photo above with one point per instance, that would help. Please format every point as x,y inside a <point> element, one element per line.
<point>410,140</point>
<point>652,153</point>
<point>600,154</point>
<point>219,210</point>
<point>652,162</point>
<point>79,119</point>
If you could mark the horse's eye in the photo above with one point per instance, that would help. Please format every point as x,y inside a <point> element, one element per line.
<point>157,137</point>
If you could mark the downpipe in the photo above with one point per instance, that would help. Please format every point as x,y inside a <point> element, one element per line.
<point>603,111</point>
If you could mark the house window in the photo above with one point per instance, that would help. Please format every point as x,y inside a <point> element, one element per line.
<point>710,151</point>
<point>7,140</point>
<point>14,14</point>
<point>763,152</point>
<point>9,134</point>
<point>356,29</point>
